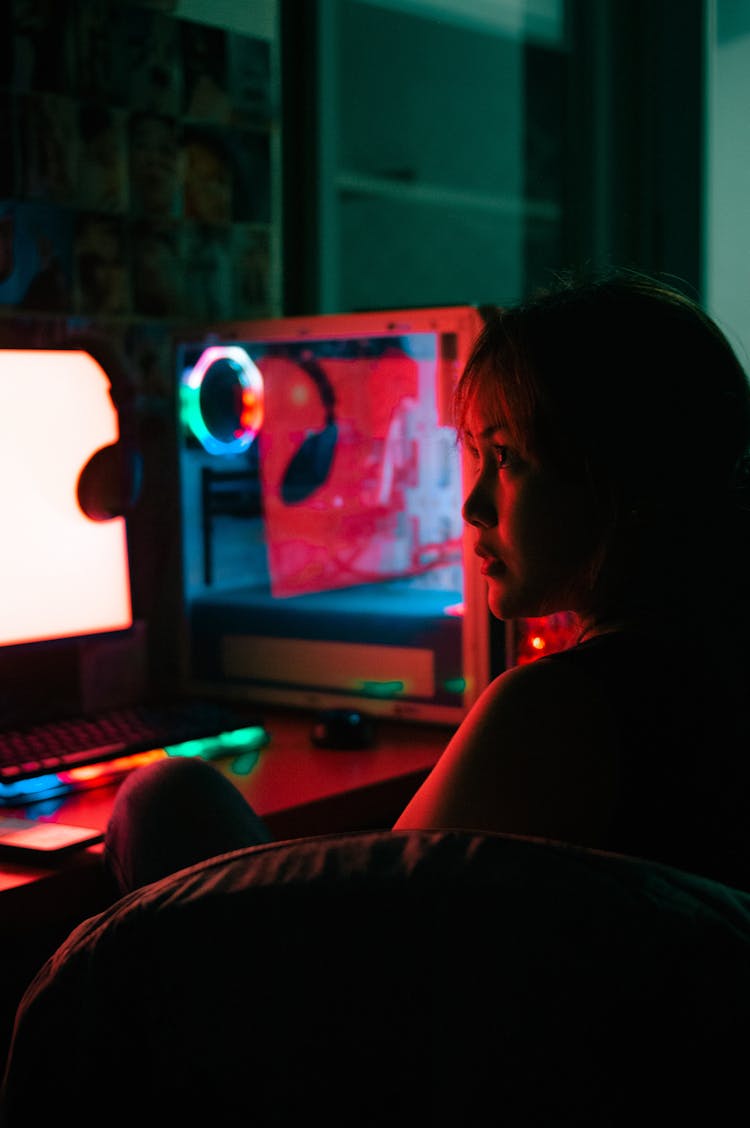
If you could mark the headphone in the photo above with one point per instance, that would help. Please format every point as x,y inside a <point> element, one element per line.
<point>310,465</point>
<point>110,483</point>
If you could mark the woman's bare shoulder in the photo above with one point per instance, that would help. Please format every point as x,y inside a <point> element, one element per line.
<point>553,689</point>
<point>546,675</point>
<point>535,755</point>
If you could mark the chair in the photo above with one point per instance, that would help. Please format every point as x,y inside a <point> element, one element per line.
<point>394,978</point>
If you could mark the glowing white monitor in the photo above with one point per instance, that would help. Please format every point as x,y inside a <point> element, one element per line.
<point>62,574</point>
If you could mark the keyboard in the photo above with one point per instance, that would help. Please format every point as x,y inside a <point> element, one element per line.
<point>46,759</point>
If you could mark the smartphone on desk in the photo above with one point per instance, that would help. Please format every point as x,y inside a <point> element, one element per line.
<point>39,838</point>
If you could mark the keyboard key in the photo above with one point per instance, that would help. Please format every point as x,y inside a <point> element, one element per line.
<point>37,754</point>
<point>92,755</point>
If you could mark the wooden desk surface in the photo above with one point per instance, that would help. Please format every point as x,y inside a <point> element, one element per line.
<point>296,788</point>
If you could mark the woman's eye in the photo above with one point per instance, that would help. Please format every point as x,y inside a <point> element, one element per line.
<point>503,456</point>
<point>499,454</point>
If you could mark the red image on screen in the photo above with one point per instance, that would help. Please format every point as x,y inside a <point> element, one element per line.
<point>340,459</point>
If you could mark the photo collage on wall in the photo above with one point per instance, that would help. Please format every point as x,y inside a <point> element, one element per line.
<point>136,189</point>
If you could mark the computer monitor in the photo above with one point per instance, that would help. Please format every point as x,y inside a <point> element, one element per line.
<point>62,574</point>
<point>325,562</point>
<point>64,577</point>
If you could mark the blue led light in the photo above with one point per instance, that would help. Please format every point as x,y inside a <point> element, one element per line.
<point>34,788</point>
<point>250,382</point>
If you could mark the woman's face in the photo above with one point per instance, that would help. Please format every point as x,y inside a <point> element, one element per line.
<point>535,533</point>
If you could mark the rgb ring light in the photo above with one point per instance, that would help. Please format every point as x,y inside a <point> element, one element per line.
<point>247,400</point>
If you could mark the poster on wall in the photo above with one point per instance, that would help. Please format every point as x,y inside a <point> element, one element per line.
<point>137,178</point>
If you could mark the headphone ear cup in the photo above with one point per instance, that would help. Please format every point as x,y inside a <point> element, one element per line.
<point>109,483</point>
<point>310,466</point>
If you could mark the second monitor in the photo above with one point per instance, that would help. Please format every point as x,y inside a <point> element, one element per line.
<point>324,556</point>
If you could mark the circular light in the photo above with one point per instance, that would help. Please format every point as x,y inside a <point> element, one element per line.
<point>221,400</point>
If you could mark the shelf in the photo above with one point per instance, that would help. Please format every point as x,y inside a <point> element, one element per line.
<point>437,195</point>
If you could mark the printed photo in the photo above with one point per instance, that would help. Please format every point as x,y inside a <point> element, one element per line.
<point>49,145</point>
<point>206,256</point>
<point>100,59</point>
<point>42,46</point>
<point>152,50</point>
<point>251,269</point>
<point>154,166</point>
<point>148,347</point>
<point>101,264</point>
<point>249,65</point>
<point>36,259</point>
<point>204,66</point>
<point>157,269</point>
<point>103,157</point>
<point>207,174</point>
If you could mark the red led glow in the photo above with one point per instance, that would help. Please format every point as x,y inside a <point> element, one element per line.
<point>122,764</point>
<point>251,414</point>
<point>536,637</point>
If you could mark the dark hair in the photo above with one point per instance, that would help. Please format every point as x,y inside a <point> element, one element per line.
<point>624,383</point>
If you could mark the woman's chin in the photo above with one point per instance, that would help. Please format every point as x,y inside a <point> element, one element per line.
<point>506,605</point>
<point>501,606</point>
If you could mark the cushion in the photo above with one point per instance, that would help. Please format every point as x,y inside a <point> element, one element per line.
<point>394,977</point>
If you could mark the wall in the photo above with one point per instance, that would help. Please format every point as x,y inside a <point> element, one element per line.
<point>249,17</point>
<point>727,229</point>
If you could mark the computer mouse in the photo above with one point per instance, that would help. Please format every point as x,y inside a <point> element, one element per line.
<point>342,728</point>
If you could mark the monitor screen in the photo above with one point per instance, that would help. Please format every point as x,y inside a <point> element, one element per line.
<point>62,574</point>
<point>321,485</point>
<point>65,595</point>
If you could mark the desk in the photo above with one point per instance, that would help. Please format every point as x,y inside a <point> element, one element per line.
<point>296,788</point>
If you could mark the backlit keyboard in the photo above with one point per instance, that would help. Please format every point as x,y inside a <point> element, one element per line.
<point>47,759</point>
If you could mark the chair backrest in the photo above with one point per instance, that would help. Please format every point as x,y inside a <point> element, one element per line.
<point>395,978</point>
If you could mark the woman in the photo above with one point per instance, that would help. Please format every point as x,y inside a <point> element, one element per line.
<point>608,426</point>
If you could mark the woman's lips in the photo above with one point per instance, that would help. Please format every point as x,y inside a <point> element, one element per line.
<point>489,565</point>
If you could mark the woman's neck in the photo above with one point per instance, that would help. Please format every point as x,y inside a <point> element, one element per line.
<point>592,627</point>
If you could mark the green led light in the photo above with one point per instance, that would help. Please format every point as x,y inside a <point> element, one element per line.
<point>382,689</point>
<point>249,739</point>
<point>455,685</point>
<point>250,382</point>
<point>244,763</point>
<point>187,748</point>
<point>253,737</point>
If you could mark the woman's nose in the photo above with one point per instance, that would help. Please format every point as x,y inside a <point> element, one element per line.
<point>479,508</point>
